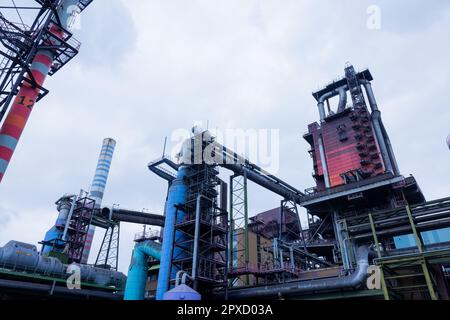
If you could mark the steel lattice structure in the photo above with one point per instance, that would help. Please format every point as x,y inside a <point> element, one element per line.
<point>108,255</point>
<point>28,53</point>
<point>238,234</point>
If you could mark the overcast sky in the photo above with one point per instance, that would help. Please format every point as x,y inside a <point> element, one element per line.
<point>147,68</point>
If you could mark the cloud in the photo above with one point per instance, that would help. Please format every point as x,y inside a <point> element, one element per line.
<point>108,33</point>
<point>5,218</point>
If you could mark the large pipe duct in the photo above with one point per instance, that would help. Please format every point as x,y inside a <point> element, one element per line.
<point>21,108</point>
<point>376,117</point>
<point>323,160</point>
<point>405,229</point>
<point>131,216</point>
<point>390,149</point>
<point>24,257</point>
<point>265,182</point>
<point>176,196</point>
<point>382,137</point>
<point>137,273</point>
<point>342,99</point>
<point>341,91</point>
<point>236,163</point>
<point>98,187</point>
<point>353,281</point>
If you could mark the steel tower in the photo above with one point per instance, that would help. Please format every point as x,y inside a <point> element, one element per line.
<point>27,55</point>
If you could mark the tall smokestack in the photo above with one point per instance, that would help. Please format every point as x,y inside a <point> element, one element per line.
<point>23,104</point>
<point>98,187</point>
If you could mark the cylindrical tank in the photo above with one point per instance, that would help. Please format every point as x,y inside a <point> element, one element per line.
<point>50,266</point>
<point>101,276</point>
<point>177,195</point>
<point>24,257</point>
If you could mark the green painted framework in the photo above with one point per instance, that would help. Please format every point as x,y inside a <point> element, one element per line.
<point>238,227</point>
<point>421,259</point>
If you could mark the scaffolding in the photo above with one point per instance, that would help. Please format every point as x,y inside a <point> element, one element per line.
<point>78,228</point>
<point>201,231</point>
<point>19,44</point>
<point>108,256</point>
<point>69,248</point>
<point>238,233</point>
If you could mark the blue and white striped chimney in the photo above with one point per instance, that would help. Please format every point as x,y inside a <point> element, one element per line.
<point>98,187</point>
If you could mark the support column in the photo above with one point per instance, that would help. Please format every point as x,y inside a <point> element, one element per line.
<point>239,222</point>
<point>377,245</point>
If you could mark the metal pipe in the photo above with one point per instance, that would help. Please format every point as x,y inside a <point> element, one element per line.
<point>398,222</point>
<point>196,237</point>
<point>281,258</point>
<point>291,253</point>
<point>323,160</point>
<point>178,277</point>
<point>342,100</point>
<point>184,277</point>
<point>376,118</point>
<point>131,216</point>
<point>342,245</point>
<point>353,281</point>
<point>137,273</point>
<point>230,157</point>
<point>69,217</point>
<point>403,230</point>
<point>389,148</point>
<point>265,182</point>
<point>275,251</point>
<point>321,107</point>
<point>241,166</point>
<point>382,138</point>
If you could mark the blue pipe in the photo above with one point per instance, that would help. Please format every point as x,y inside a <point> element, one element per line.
<point>137,273</point>
<point>177,196</point>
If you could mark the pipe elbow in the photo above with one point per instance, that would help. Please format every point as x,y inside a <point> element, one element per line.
<point>341,91</point>
<point>342,99</point>
<point>360,275</point>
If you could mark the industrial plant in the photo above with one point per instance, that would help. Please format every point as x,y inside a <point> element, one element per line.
<point>368,226</point>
